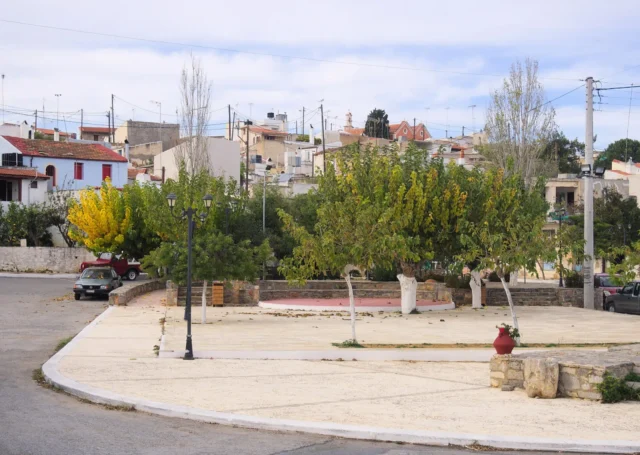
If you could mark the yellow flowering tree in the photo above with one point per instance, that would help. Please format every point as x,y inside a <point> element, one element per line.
<point>101,219</point>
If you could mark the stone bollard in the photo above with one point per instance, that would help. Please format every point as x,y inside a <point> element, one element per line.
<point>172,293</point>
<point>541,377</point>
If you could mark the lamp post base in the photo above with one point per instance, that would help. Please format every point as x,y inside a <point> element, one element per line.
<point>188,355</point>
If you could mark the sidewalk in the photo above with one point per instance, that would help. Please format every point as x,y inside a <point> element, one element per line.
<point>113,361</point>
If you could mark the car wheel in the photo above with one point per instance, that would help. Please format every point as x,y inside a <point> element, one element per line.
<point>77,296</point>
<point>132,275</point>
<point>611,308</point>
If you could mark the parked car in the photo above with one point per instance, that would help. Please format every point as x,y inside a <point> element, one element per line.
<point>122,266</point>
<point>625,300</point>
<point>603,281</point>
<point>96,281</point>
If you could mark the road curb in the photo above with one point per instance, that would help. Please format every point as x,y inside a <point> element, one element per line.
<point>71,276</point>
<point>435,438</point>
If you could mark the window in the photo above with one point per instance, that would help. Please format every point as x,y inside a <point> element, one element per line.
<point>51,172</point>
<point>636,290</point>
<point>627,290</point>
<point>6,190</point>
<point>34,184</point>
<point>548,266</point>
<point>270,138</point>
<point>106,171</point>
<point>421,133</point>
<point>95,137</point>
<point>78,171</point>
<point>12,159</point>
<point>405,130</point>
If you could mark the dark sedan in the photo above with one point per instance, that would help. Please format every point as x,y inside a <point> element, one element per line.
<point>626,300</point>
<point>96,281</point>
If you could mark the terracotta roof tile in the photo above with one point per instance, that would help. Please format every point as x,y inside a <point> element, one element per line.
<point>64,150</point>
<point>133,172</point>
<point>619,172</point>
<point>259,129</point>
<point>355,131</point>
<point>51,132</point>
<point>21,173</point>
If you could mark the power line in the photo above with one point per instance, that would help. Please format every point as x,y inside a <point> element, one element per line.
<point>555,99</point>
<point>265,54</point>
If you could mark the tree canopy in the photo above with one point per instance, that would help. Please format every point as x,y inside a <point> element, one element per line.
<point>564,154</point>
<point>622,149</point>
<point>377,124</point>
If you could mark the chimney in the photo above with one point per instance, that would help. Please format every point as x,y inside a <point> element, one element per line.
<point>126,149</point>
<point>311,140</point>
<point>56,135</point>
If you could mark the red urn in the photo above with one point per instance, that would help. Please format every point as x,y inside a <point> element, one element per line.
<point>504,344</point>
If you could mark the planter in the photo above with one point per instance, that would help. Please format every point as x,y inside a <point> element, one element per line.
<point>504,344</point>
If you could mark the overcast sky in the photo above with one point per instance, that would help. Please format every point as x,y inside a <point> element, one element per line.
<point>402,57</point>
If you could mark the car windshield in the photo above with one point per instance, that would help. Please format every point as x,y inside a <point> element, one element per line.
<point>605,282</point>
<point>96,274</point>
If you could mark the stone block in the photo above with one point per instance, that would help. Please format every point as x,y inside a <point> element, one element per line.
<point>589,395</point>
<point>516,365</point>
<point>514,374</point>
<point>569,382</point>
<point>595,379</point>
<point>541,377</point>
<point>497,375</point>
<point>496,382</point>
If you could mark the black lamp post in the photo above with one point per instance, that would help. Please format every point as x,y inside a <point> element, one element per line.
<point>188,214</point>
<point>559,214</point>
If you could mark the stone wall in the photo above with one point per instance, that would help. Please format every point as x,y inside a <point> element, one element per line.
<point>125,294</point>
<point>546,296</point>
<point>236,293</point>
<point>43,259</point>
<point>325,289</point>
<point>580,372</point>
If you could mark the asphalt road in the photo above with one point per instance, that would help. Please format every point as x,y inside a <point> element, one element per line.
<point>34,316</point>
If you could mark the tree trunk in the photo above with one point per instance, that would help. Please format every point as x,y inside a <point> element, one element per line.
<point>513,278</point>
<point>408,289</point>
<point>476,289</point>
<point>542,268</point>
<point>352,301</point>
<point>204,302</point>
<point>513,309</point>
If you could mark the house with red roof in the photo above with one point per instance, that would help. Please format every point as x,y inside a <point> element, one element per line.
<point>96,133</point>
<point>405,131</point>
<point>71,165</point>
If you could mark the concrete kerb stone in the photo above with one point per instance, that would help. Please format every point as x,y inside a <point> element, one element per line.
<point>123,295</point>
<point>435,438</point>
<point>278,306</point>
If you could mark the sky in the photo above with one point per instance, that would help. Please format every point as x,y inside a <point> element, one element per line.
<point>417,59</point>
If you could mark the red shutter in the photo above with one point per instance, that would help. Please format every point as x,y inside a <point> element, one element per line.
<point>106,171</point>
<point>78,171</point>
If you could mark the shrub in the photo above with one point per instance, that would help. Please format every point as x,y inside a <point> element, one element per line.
<point>494,278</point>
<point>431,275</point>
<point>384,274</point>
<point>458,282</point>
<point>573,280</point>
<point>614,390</point>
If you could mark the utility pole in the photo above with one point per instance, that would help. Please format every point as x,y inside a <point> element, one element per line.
<point>414,129</point>
<point>324,151</point>
<point>229,137</point>
<point>303,120</point>
<point>296,127</point>
<point>447,130</point>
<point>113,122</point>
<point>109,120</point>
<point>36,126</point>
<point>462,130</point>
<point>246,171</point>
<point>3,98</point>
<point>587,268</point>
<point>81,121</point>
<point>473,118</point>
<point>58,95</point>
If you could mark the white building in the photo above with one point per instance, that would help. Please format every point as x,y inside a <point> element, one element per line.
<point>223,157</point>
<point>22,185</point>
<point>17,130</point>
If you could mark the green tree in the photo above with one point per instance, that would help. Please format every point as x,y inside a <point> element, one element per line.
<point>377,124</point>
<point>30,222</point>
<point>353,230</point>
<point>564,154</point>
<point>427,211</point>
<point>622,149</point>
<point>512,217</point>
<point>59,203</point>
<point>140,239</point>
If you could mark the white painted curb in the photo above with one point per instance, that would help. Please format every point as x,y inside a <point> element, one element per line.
<point>72,276</point>
<point>436,438</point>
<point>371,309</point>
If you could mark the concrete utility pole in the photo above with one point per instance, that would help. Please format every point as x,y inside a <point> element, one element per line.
<point>113,122</point>
<point>58,95</point>
<point>81,121</point>
<point>246,171</point>
<point>303,120</point>
<point>587,268</point>
<point>36,125</point>
<point>414,129</point>
<point>3,98</point>
<point>473,119</point>
<point>324,151</point>
<point>229,137</point>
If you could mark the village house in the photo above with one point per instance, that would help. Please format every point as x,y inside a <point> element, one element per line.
<point>69,165</point>
<point>96,133</point>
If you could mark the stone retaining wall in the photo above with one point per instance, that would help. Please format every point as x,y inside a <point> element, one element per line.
<point>236,293</point>
<point>325,289</point>
<point>546,296</point>
<point>580,372</point>
<point>38,259</point>
<point>125,294</point>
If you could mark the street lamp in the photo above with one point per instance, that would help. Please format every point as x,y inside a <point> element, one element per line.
<point>559,215</point>
<point>188,214</point>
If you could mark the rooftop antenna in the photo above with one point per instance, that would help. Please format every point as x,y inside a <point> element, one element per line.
<point>473,118</point>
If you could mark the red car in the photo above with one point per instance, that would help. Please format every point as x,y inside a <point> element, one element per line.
<point>124,268</point>
<point>603,281</point>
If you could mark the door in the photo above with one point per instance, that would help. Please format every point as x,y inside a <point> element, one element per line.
<point>624,298</point>
<point>106,172</point>
<point>634,301</point>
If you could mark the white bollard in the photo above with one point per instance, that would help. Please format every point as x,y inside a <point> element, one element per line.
<point>204,302</point>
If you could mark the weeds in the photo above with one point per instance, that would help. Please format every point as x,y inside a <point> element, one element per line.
<point>62,343</point>
<point>348,344</point>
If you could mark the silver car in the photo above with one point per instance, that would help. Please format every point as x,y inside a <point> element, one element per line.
<point>626,300</point>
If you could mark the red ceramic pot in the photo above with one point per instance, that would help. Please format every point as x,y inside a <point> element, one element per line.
<point>504,344</point>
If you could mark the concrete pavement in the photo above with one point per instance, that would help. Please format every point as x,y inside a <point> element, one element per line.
<point>34,316</point>
<point>418,402</point>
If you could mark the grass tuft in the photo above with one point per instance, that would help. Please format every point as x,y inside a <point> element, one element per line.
<point>62,343</point>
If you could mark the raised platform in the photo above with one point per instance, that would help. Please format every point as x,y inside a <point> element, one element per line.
<point>371,304</point>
